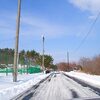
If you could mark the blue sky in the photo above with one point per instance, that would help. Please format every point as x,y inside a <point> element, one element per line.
<point>63,22</point>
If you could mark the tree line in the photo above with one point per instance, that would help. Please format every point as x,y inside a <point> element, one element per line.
<point>87,65</point>
<point>90,65</point>
<point>31,57</point>
<point>25,57</point>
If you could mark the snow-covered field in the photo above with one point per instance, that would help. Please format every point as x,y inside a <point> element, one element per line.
<point>91,79</point>
<point>9,89</point>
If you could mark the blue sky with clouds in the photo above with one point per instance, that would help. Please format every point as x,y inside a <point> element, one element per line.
<point>63,22</point>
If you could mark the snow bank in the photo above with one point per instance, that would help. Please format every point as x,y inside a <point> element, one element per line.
<point>20,86</point>
<point>92,79</point>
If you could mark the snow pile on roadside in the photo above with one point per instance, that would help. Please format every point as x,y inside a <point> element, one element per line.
<point>92,79</point>
<point>19,87</point>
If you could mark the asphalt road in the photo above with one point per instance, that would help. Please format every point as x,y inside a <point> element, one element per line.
<point>61,87</point>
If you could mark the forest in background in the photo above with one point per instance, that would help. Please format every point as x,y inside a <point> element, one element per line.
<point>87,65</point>
<point>25,57</point>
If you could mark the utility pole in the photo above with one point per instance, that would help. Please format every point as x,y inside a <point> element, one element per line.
<point>68,58</point>
<point>16,43</point>
<point>17,59</point>
<point>43,39</point>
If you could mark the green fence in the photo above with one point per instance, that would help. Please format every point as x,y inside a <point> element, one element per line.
<point>6,70</point>
<point>34,69</point>
<point>30,70</point>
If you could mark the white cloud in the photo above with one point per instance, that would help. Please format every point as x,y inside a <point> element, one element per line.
<point>35,26</point>
<point>92,17</point>
<point>41,26</point>
<point>30,26</point>
<point>92,6</point>
<point>7,24</point>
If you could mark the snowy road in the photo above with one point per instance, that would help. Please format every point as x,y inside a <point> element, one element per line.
<point>60,87</point>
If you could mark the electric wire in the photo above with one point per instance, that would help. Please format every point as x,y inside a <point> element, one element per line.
<point>88,33</point>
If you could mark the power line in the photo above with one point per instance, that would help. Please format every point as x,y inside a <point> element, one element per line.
<point>6,40</point>
<point>88,33</point>
<point>9,39</point>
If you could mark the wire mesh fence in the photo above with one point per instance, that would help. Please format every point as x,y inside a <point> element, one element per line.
<point>24,64</point>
